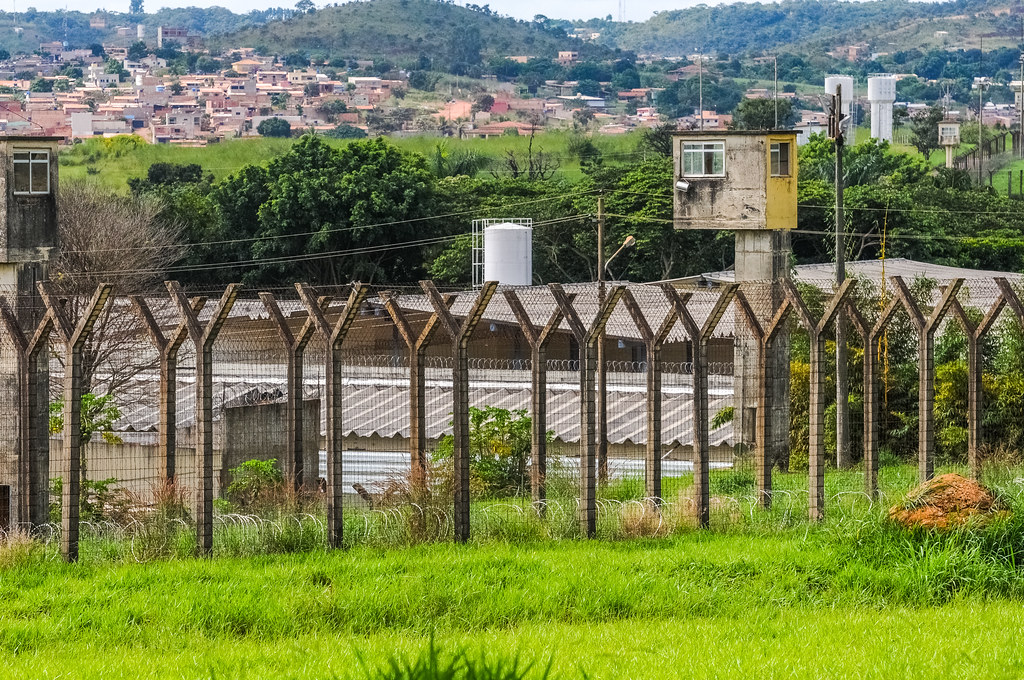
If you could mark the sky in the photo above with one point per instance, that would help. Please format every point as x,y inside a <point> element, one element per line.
<point>635,10</point>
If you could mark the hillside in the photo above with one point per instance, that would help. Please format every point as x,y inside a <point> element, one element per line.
<point>805,26</point>
<point>407,29</point>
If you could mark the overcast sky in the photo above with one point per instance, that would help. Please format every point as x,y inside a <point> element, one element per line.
<point>636,10</point>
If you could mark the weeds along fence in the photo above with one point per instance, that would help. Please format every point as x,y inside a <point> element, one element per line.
<point>175,420</point>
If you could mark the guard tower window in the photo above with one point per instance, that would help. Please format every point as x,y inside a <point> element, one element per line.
<point>31,172</point>
<point>780,159</point>
<point>703,159</point>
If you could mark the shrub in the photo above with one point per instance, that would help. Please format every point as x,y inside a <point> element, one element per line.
<point>254,483</point>
<point>499,441</point>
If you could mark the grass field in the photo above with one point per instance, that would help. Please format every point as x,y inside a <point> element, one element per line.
<point>94,161</point>
<point>852,598</point>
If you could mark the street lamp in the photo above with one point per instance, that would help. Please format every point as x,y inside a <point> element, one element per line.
<point>628,243</point>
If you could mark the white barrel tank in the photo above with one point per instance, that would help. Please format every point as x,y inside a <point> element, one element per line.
<point>140,31</point>
<point>847,82</point>
<point>508,254</point>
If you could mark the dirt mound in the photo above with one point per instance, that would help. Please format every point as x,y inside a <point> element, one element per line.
<point>945,502</point>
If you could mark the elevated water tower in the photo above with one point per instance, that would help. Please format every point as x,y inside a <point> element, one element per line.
<point>881,96</point>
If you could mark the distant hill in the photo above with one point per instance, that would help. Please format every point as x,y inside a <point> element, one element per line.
<point>807,26</point>
<point>400,30</point>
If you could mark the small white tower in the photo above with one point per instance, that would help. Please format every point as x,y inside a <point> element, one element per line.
<point>949,138</point>
<point>881,96</point>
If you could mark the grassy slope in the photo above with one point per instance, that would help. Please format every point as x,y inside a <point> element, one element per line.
<point>403,29</point>
<point>88,161</point>
<point>793,604</point>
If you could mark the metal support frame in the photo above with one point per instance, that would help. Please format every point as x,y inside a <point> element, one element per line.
<point>203,336</point>
<point>334,336</point>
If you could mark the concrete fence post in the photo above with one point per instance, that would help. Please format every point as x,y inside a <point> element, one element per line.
<point>167,347</point>
<point>653,343</point>
<point>975,332</point>
<point>334,339</point>
<point>295,349</point>
<point>203,337</point>
<point>74,337</point>
<point>765,337</point>
<point>538,339</point>
<point>926,328</point>
<point>459,334</point>
<point>816,332</point>
<point>416,345</point>
<point>32,416</point>
<point>700,335</point>
<point>587,339</point>
<point>869,336</point>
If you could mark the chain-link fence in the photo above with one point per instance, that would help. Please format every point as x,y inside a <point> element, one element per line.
<point>166,420</point>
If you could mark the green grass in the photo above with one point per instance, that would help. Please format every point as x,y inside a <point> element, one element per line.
<point>853,597</point>
<point>92,162</point>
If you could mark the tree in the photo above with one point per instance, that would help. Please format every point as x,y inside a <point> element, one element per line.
<point>305,6</point>
<point>311,90</point>
<point>118,239</point>
<point>484,102</point>
<point>924,130</point>
<point>137,50</point>
<point>4,54</point>
<point>759,114</point>
<point>135,7</point>
<point>41,85</point>
<point>274,127</point>
<point>345,131</point>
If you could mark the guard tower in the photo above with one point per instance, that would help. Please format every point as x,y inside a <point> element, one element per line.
<point>746,182</point>
<point>949,138</point>
<point>28,220</point>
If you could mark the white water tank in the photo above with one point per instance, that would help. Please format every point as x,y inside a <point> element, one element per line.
<point>881,95</point>
<point>508,254</point>
<point>844,106</point>
<point>140,32</point>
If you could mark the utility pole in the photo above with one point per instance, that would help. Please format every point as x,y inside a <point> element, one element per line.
<point>1020,105</point>
<point>601,391</point>
<point>981,117</point>
<point>700,89</point>
<point>776,92</point>
<point>842,379</point>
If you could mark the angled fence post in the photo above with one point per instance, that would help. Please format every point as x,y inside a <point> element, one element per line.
<point>416,346</point>
<point>460,334</point>
<point>816,411</point>
<point>74,337</point>
<point>167,347</point>
<point>587,339</point>
<point>700,336</point>
<point>765,338</point>
<point>538,340</point>
<point>926,328</point>
<point>869,336</point>
<point>975,333</point>
<point>295,348</point>
<point>203,337</point>
<point>334,336</point>
<point>32,417</point>
<point>653,343</point>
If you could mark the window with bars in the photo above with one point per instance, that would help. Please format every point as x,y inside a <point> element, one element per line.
<point>32,172</point>
<point>703,159</point>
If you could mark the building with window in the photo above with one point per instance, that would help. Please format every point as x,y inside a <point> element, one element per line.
<point>735,180</point>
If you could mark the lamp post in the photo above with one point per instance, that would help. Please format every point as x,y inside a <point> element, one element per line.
<point>602,376</point>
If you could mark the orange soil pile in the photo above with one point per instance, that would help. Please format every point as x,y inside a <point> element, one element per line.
<point>945,502</point>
